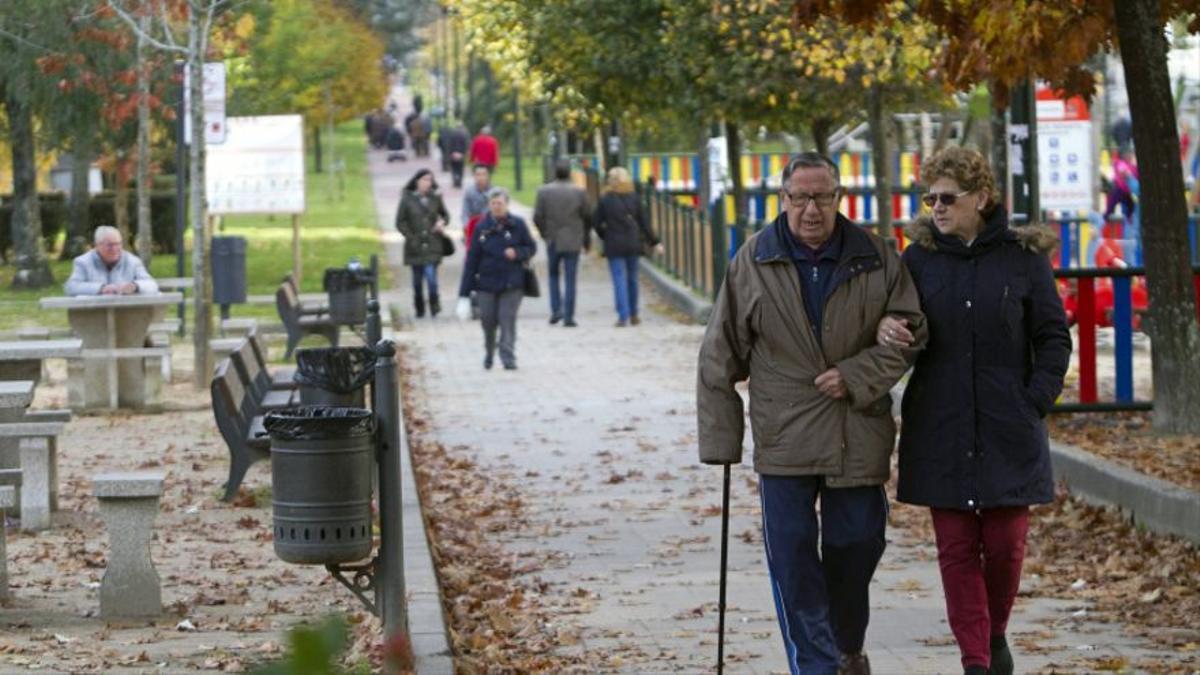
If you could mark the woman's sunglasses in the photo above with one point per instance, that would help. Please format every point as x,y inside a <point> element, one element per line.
<point>946,198</point>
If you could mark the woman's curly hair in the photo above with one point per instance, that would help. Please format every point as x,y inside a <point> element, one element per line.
<point>966,167</point>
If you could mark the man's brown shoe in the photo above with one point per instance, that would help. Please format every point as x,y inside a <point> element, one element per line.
<point>854,664</point>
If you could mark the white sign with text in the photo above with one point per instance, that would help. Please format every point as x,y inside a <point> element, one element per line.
<point>259,168</point>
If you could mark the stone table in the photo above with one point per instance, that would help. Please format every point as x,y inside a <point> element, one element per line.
<point>113,372</point>
<point>22,359</point>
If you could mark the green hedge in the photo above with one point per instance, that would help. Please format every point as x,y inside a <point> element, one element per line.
<point>100,211</point>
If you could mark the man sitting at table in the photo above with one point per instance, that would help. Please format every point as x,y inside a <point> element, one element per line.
<point>109,270</point>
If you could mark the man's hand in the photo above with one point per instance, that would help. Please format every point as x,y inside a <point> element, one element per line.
<point>510,253</point>
<point>109,289</point>
<point>831,384</point>
<point>127,288</point>
<point>893,332</point>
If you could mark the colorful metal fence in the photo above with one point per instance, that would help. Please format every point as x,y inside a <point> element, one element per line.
<point>698,245</point>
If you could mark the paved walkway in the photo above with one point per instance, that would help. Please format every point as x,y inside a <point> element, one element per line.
<point>604,455</point>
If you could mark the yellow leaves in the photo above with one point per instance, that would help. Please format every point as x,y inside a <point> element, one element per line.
<point>244,27</point>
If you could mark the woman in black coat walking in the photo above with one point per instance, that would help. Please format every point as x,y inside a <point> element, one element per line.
<point>621,224</point>
<point>973,444</point>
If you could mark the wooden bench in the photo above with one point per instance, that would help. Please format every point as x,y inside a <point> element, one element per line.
<point>310,303</point>
<point>240,423</point>
<point>257,382</point>
<point>283,377</point>
<point>298,324</point>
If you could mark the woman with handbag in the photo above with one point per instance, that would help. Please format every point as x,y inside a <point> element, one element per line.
<point>421,218</point>
<point>497,269</point>
<point>621,224</point>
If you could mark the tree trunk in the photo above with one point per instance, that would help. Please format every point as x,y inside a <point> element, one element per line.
<point>881,160</point>
<point>820,134</point>
<point>121,198</point>
<point>201,276</point>
<point>1171,320</point>
<point>145,235</point>
<point>79,227</point>
<point>733,150</point>
<point>33,269</point>
<point>317,149</point>
<point>999,134</point>
<point>703,178</point>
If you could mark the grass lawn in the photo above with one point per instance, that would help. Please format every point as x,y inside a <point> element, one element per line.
<point>531,176</point>
<point>335,227</point>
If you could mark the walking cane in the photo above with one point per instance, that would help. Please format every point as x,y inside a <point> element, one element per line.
<point>724,561</point>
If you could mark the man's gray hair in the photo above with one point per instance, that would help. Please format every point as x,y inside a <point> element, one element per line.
<point>103,231</point>
<point>497,192</point>
<point>811,160</point>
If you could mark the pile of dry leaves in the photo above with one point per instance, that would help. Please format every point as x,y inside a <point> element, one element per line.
<point>500,618</point>
<point>1127,438</point>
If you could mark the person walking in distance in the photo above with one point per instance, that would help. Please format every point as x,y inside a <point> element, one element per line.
<point>421,218</point>
<point>973,445</point>
<point>621,224</point>
<point>563,219</point>
<point>485,149</point>
<point>797,314</point>
<point>453,142</point>
<point>495,270</point>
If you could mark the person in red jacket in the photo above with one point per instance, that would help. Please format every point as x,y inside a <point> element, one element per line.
<point>485,149</point>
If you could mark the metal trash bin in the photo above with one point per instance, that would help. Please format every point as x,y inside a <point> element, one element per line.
<point>321,483</point>
<point>334,375</point>
<point>229,270</point>
<point>347,289</point>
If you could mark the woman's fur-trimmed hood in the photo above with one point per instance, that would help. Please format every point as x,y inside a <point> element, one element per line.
<point>1035,237</point>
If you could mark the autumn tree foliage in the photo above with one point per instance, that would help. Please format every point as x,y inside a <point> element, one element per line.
<point>1008,41</point>
<point>310,57</point>
<point>94,74</point>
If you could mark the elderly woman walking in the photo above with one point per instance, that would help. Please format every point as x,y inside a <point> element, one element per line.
<point>495,269</point>
<point>620,222</point>
<point>421,218</point>
<point>973,444</point>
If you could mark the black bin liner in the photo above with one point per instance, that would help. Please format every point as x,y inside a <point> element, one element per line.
<point>339,279</point>
<point>340,370</point>
<point>317,423</point>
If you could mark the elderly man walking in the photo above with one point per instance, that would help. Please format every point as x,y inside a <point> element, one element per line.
<point>562,217</point>
<point>797,315</point>
<point>107,269</point>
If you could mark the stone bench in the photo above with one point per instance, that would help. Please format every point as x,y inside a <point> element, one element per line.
<point>9,479</point>
<point>241,327</point>
<point>37,435</point>
<point>129,505</point>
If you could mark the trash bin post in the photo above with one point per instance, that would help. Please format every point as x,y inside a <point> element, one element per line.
<point>374,278</point>
<point>391,539</point>
<point>374,327</point>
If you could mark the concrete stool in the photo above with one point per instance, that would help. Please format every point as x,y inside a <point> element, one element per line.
<point>8,497</point>
<point>129,504</point>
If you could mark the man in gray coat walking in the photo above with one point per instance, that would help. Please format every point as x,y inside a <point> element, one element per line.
<point>562,217</point>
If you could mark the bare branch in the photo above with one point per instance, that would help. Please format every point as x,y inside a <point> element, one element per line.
<point>168,46</point>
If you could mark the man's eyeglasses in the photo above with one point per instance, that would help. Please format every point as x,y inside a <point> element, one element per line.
<point>823,200</point>
<point>946,198</point>
<point>109,244</point>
